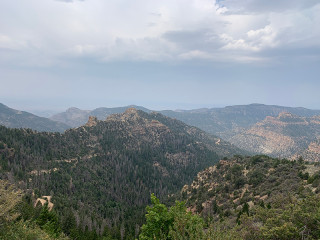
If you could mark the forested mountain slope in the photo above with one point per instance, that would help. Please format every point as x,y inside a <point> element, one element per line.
<point>105,171</point>
<point>258,198</point>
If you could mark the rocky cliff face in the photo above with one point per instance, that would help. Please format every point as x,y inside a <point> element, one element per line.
<point>285,136</point>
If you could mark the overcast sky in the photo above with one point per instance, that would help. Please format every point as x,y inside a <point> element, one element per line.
<point>166,54</point>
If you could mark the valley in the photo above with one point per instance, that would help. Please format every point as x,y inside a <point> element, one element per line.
<point>100,175</point>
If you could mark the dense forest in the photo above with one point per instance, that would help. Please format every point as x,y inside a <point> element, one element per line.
<point>103,173</point>
<point>95,182</point>
<point>214,207</point>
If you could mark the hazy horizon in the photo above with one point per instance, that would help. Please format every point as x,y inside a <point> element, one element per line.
<point>46,112</point>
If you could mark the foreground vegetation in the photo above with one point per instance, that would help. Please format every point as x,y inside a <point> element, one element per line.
<point>289,209</point>
<point>288,218</point>
<point>243,198</point>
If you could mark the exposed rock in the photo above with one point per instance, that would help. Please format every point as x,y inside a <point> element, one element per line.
<point>43,200</point>
<point>285,136</point>
<point>92,121</point>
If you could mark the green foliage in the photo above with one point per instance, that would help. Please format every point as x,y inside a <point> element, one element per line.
<point>256,177</point>
<point>26,230</point>
<point>175,223</point>
<point>10,197</point>
<point>105,173</point>
<point>48,221</point>
<point>219,231</point>
<point>291,219</point>
<point>158,221</point>
<point>185,225</point>
<point>69,223</point>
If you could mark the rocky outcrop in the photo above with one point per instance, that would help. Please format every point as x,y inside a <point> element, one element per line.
<point>93,121</point>
<point>284,136</point>
<point>43,200</point>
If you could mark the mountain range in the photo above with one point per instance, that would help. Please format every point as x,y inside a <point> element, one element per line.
<point>224,122</point>
<point>106,170</point>
<point>98,177</point>
<point>256,128</point>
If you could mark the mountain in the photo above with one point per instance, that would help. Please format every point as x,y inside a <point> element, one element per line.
<point>19,119</point>
<point>243,125</point>
<point>73,117</point>
<point>105,171</point>
<point>228,121</point>
<point>224,122</point>
<point>76,117</point>
<point>285,136</point>
<point>258,198</point>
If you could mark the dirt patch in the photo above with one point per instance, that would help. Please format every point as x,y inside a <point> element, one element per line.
<point>43,200</point>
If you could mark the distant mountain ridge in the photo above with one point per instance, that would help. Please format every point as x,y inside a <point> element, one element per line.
<point>76,117</point>
<point>232,123</point>
<point>223,122</point>
<point>286,136</point>
<point>228,121</point>
<point>20,119</point>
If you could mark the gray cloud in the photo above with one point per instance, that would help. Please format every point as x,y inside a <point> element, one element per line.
<point>202,39</point>
<point>258,6</point>
<point>68,0</point>
<point>246,31</point>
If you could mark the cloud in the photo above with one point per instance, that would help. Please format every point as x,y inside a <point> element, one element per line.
<point>257,6</point>
<point>167,30</point>
<point>69,1</point>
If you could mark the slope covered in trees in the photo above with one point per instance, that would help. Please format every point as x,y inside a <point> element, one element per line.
<point>258,198</point>
<point>104,172</point>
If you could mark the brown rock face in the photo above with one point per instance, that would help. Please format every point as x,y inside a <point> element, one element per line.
<point>92,121</point>
<point>285,136</point>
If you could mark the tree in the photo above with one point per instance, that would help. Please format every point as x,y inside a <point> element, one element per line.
<point>48,221</point>
<point>185,224</point>
<point>158,221</point>
<point>9,200</point>
<point>175,223</point>
<point>69,223</point>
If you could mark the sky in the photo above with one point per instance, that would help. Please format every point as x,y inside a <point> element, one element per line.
<point>168,54</point>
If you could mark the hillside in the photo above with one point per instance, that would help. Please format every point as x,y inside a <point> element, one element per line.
<point>228,121</point>
<point>76,117</point>
<point>19,119</point>
<point>285,136</point>
<point>258,198</point>
<point>224,122</point>
<point>106,170</point>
